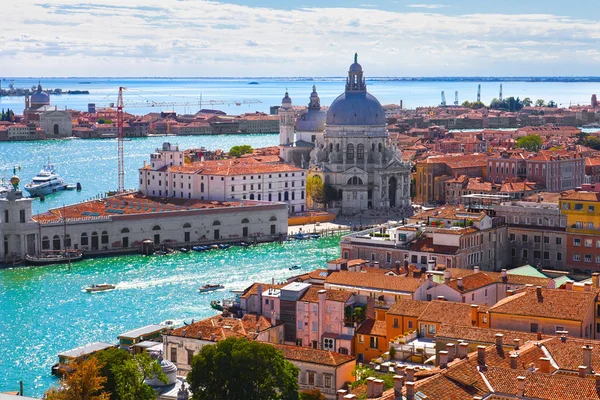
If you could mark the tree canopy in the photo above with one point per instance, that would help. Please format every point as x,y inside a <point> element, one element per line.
<point>131,374</point>
<point>238,151</point>
<point>111,359</point>
<point>315,189</point>
<point>530,142</point>
<point>237,369</point>
<point>314,394</point>
<point>83,383</point>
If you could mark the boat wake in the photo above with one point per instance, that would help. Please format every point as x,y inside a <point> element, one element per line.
<point>178,279</point>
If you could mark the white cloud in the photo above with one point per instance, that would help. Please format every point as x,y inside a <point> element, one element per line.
<point>428,6</point>
<point>175,37</point>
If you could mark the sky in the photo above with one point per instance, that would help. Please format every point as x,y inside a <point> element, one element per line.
<point>241,38</point>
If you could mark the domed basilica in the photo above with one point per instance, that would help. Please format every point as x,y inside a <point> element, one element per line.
<point>350,150</point>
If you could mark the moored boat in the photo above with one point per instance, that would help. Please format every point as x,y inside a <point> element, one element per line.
<point>216,304</point>
<point>45,182</point>
<point>294,267</point>
<point>99,288</point>
<point>54,257</point>
<point>210,288</point>
<point>223,246</point>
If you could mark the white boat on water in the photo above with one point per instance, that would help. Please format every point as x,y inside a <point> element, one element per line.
<point>4,189</point>
<point>99,288</point>
<point>210,288</point>
<point>45,182</point>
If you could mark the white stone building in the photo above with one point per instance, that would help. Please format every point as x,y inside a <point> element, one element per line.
<point>246,178</point>
<point>56,123</point>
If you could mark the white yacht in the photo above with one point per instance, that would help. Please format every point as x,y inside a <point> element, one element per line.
<point>4,189</point>
<point>46,182</point>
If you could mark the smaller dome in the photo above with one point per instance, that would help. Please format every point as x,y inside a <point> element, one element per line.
<point>286,99</point>
<point>356,67</point>
<point>314,92</point>
<point>169,369</point>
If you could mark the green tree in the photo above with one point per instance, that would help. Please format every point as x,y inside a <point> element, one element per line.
<point>83,383</point>
<point>111,359</point>
<point>527,102</point>
<point>237,369</point>
<point>530,142</point>
<point>315,189</point>
<point>130,377</point>
<point>314,394</point>
<point>552,104</point>
<point>238,151</point>
<point>540,103</point>
<point>330,194</point>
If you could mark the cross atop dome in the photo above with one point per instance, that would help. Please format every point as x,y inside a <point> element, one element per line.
<point>355,81</point>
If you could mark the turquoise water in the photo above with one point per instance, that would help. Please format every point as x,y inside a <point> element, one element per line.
<point>93,162</point>
<point>44,311</point>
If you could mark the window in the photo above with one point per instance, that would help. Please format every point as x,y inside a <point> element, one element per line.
<point>558,256</point>
<point>315,326</point>
<point>533,328</point>
<point>514,252</point>
<point>84,239</point>
<point>546,255</point>
<point>350,152</point>
<point>590,208</point>
<point>104,237</point>
<point>22,216</point>
<point>300,325</point>
<point>536,254</point>
<point>590,225</point>
<point>579,224</point>
<point>174,355</point>
<point>588,242</point>
<point>311,378</point>
<point>388,257</point>
<point>524,238</point>
<point>576,242</point>
<point>373,257</point>
<point>395,322</point>
<point>6,219</point>
<point>511,237</point>
<point>576,257</point>
<point>45,243</point>
<point>423,259</point>
<point>360,152</point>
<point>558,240</point>
<point>410,325</point>
<point>190,356</point>
<point>300,306</point>
<point>327,381</point>
<point>472,296</point>
<point>525,253</point>
<point>578,207</point>
<point>374,342</point>
<point>587,258</point>
<point>546,239</point>
<point>361,339</point>
<point>537,239</point>
<point>431,329</point>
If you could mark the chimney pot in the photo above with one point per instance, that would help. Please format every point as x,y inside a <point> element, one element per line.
<point>582,371</point>
<point>410,391</point>
<point>410,374</point>
<point>398,383</point>
<point>447,276</point>
<point>539,336</point>
<point>520,386</point>
<point>587,357</point>
<point>370,387</point>
<point>499,338</point>
<point>545,365</point>
<point>450,348</point>
<point>341,394</point>
<point>538,291</point>
<point>587,287</point>
<point>516,342</point>
<point>463,349</point>
<point>443,359</point>
<point>514,361</point>
<point>481,355</point>
<point>476,269</point>
<point>460,283</point>
<point>441,298</point>
<point>378,388</point>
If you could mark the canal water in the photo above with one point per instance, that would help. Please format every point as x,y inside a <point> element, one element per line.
<point>44,311</point>
<point>93,162</point>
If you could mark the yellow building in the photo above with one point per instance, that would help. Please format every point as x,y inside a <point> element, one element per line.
<point>370,340</point>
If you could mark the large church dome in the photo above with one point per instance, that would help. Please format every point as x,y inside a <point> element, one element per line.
<point>40,98</point>
<point>356,106</point>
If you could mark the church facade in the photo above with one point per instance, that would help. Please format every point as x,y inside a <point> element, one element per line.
<point>351,151</point>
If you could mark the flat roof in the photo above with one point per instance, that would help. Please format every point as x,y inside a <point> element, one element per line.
<point>5,396</point>
<point>142,331</point>
<point>147,344</point>
<point>85,350</point>
<point>296,286</point>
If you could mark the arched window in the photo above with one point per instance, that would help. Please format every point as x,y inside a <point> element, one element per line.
<point>156,228</point>
<point>67,241</point>
<point>380,147</point>
<point>187,225</point>
<point>293,195</point>
<point>330,147</point>
<point>360,152</point>
<point>216,223</point>
<point>84,239</point>
<point>273,218</point>
<point>350,152</point>
<point>259,197</point>
<point>56,242</point>
<point>355,180</point>
<point>245,221</point>
<point>279,196</point>
<point>104,238</point>
<point>125,230</point>
<point>45,243</point>
<point>251,196</point>
<point>337,147</point>
<point>286,196</point>
<point>270,197</point>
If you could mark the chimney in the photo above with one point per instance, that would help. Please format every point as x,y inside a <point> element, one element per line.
<point>460,284</point>
<point>539,336</point>
<point>499,338</point>
<point>341,394</point>
<point>516,342</point>
<point>582,371</point>
<point>520,386</point>
<point>514,361</point>
<point>563,336</point>
<point>587,357</point>
<point>410,391</point>
<point>273,320</point>
<point>545,365</point>
<point>569,285</point>
<point>463,350</point>
<point>538,291</point>
<point>378,390</point>
<point>596,280</point>
<point>587,287</point>
<point>441,298</point>
<point>259,298</point>
<point>410,374</point>
<point>476,269</point>
<point>447,276</point>
<point>322,310</point>
<point>481,355</point>
<point>443,359</point>
<point>398,383</point>
<point>597,376</point>
<point>430,265</point>
<point>370,387</point>
<point>450,348</point>
<point>504,275</point>
<point>474,314</point>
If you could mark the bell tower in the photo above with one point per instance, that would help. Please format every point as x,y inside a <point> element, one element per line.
<point>286,122</point>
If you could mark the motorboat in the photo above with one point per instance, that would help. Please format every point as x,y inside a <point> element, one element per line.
<point>314,236</point>
<point>244,244</point>
<point>54,257</point>
<point>294,267</point>
<point>210,288</point>
<point>216,305</point>
<point>45,182</point>
<point>223,246</point>
<point>99,288</point>
<point>4,189</point>
<point>184,249</point>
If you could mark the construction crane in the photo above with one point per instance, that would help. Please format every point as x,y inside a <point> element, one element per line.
<point>456,98</point>
<point>199,103</point>
<point>120,141</point>
<point>479,93</point>
<point>500,96</point>
<point>443,99</point>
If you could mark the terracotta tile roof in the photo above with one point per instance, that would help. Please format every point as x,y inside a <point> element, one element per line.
<point>483,335</point>
<point>553,303</point>
<point>425,244</point>
<point>374,281</point>
<point>313,356</point>
<point>372,327</point>
<point>516,279</point>
<point>319,274</point>
<point>568,355</point>
<point>408,308</point>
<point>236,166</point>
<point>449,212</point>
<point>312,295</point>
<point>472,282</point>
<point>583,196</point>
<point>248,326</point>
<point>253,290</point>
<point>447,312</point>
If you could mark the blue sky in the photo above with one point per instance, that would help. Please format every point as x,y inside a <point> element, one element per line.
<point>304,38</point>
